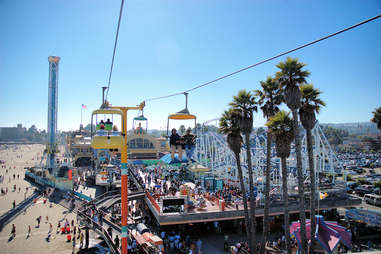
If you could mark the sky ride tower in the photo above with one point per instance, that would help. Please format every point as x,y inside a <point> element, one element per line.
<point>51,145</point>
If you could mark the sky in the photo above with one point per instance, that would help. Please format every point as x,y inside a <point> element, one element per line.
<point>168,46</point>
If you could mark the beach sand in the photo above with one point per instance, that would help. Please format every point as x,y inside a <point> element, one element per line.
<point>37,242</point>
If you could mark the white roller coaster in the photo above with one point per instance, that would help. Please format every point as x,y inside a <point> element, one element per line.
<point>212,151</point>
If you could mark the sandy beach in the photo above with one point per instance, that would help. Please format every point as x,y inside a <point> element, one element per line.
<point>16,158</point>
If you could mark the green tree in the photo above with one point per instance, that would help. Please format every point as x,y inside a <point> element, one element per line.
<point>377,117</point>
<point>230,126</point>
<point>335,136</point>
<point>269,99</point>
<point>282,129</point>
<point>290,77</point>
<point>245,103</point>
<point>311,104</point>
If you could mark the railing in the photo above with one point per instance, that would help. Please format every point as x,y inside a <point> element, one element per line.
<point>104,196</point>
<point>5,218</point>
<point>135,179</point>
<point>99,228</point>
<point>153,202</point>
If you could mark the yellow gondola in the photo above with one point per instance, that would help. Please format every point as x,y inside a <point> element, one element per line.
<point>182,115</point>
<point>107,135</point>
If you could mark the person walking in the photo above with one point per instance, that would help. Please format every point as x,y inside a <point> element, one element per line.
<point>81,240</point>
<point>13,231</point>
<point>38,221</point>
<point>109,231</point>
<point>49,234</point>
<point>58,227</point>
<point>73,251</point>
<point>29,232</point>
<point>116,241</point>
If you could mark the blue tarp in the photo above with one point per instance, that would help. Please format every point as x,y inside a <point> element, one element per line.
<point>138,162</point>
<point>167,159</point>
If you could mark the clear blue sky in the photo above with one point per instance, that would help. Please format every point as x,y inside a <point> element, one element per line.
<point>167,46</point>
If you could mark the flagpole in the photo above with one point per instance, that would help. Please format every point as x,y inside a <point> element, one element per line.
<point>81,113</point>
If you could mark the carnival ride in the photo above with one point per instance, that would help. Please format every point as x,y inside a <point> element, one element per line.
<point>181,115</point>
<point>141,145</point>
<point>212,151</point>
<point>106,134</point>
<point>137,124</point>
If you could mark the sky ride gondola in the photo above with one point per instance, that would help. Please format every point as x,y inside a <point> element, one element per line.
<point>108,126</point>
<point>182,115</point>
<point>137,124</point>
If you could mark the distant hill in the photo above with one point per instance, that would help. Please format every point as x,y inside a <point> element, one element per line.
<point>363,128</point>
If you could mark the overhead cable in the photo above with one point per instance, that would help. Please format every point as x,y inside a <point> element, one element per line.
<point>115,44</point>
<point>268,59</point>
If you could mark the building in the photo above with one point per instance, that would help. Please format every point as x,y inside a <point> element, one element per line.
<point>12,133</point>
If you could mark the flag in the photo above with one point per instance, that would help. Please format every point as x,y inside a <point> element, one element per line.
<point>84,106</point>
<point>322,195</point>
<point>273,191</point>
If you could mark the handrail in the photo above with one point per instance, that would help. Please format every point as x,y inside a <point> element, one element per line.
<point>94,224</point>
<point>135,178</point>
<point>153,201</point>
<point>14,211</point>
<point>104,195</point>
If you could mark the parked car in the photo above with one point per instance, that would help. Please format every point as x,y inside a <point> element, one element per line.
<point>372,199</point>
<point>363,190</point>
<point>377,191</point>
<point>358,170</point>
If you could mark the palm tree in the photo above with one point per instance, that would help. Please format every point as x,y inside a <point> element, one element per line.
<point>281,128</point>
<point>269,99</point>
<point>245,103</point>
<point>290,77</point>
<point>230,126</point>
<point>311,104</point>
<point>377,117</point>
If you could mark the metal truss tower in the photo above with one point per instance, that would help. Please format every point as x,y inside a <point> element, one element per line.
<point>51,145</point>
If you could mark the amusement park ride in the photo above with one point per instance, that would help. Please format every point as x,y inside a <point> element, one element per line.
<point>106,136</point>
<point>211,152</point>
<point>181,115</point>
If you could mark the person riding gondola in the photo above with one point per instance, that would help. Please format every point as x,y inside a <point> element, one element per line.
<point>139,130</point>
<point>175,143</point>
<point>108,125</point>
<point>100,125</point>
<point>189,143</point>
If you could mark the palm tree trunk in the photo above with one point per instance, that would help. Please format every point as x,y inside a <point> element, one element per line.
<point>252,197</point>
<point>313,188</point>
<point>267,194</point>
<point>302,209</point>
<point>246,209</point>
<point>285,200</point>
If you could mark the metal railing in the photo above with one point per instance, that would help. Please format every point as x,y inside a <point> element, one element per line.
<point>97,227</point>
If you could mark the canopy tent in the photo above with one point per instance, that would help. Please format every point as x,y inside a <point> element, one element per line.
<point>328,234</point>
<point>137,162</point>
<point>190,185</point>
<point>197,168</point>
<point>151,162</point>
<point>168,160</point>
